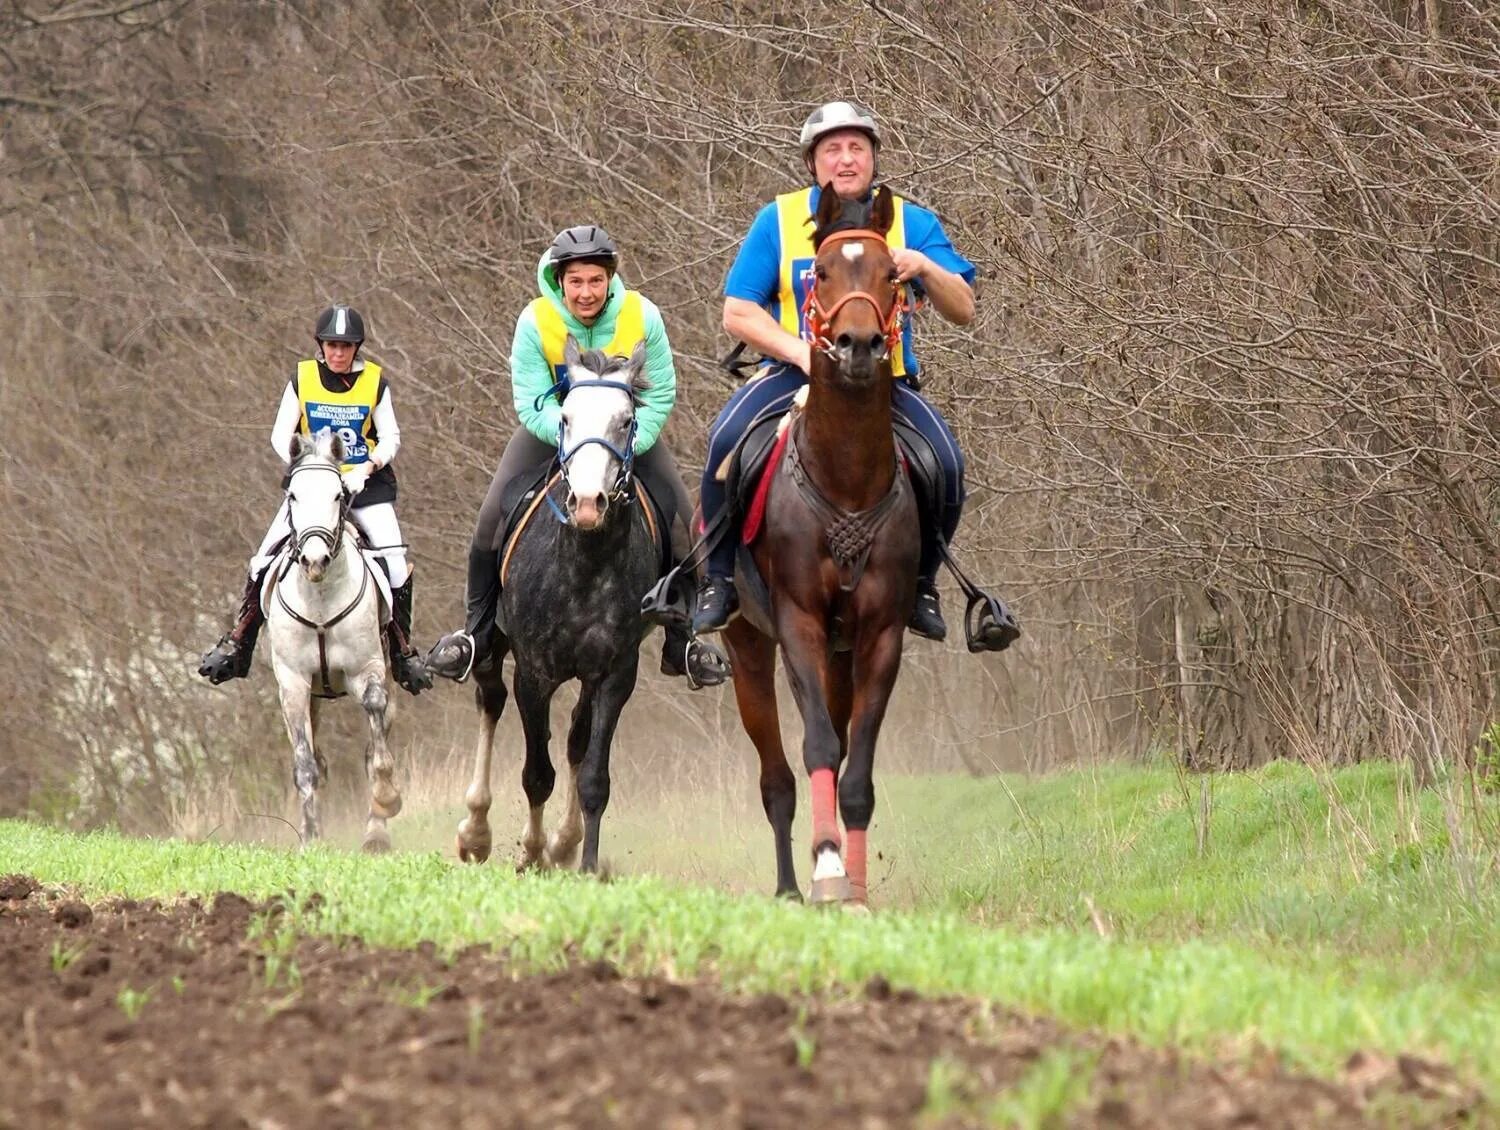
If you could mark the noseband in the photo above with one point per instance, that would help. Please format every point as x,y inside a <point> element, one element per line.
<point>565,454</point>
<point>819,321</point>
<point>334,537</point>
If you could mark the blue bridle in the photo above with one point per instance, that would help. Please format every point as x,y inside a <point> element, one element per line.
<point>626,456</point>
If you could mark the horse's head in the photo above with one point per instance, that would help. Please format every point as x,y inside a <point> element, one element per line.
<point>316,501</point>
<point>597,446</point>
<point>855,304</point>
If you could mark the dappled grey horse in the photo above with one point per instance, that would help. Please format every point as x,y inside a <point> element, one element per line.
<point>323,617</point>
<point>570,608</point>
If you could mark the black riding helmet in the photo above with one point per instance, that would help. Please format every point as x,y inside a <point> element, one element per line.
<point>340,323</point>
<point>586,243</point>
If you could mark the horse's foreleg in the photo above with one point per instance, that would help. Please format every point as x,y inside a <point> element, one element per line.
<point>474,840</point>
<point>296,712</point>
<point>593,774</point>
<point>385,798</point>
<point>804,647</point>
<point>877,666</point>
<point>569,834</point>
<point>754,659</point>
<point>534,699</point>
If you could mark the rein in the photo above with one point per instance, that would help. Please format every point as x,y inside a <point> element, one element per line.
<point>820,321</point>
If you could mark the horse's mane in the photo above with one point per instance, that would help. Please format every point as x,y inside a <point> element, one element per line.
<point>854,216</point>
<point>606,366</point>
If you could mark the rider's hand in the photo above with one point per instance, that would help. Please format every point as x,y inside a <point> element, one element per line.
<point>356,477</point>
<point>804,356</point>
<point>910,264</point>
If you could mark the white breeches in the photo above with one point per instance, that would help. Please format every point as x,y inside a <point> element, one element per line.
<point>377,522</point>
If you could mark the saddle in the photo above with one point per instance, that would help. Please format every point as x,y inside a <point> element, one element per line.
<point>525,496</point>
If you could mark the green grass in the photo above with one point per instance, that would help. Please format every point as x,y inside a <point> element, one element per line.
<point>1309,924</point>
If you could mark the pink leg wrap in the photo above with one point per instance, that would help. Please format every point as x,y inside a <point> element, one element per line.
<point>824,809</point>
<point>855,861</point>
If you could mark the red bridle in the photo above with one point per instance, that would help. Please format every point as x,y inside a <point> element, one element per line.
<point>819,320</point>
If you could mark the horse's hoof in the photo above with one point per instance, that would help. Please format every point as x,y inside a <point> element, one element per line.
<point>831,891</point>
<point>385,801</point>
<point>377,842</point>
<point>791,894</point>
<point>857,907</point>
<point>562,855</point>
<point>471,848</point>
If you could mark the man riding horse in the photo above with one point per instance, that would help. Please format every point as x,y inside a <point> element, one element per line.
<point>764,298</point>
<point>580,295</point>
<point>339,391</point>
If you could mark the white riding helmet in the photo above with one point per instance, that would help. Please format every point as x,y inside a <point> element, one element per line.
<point>833,116</point>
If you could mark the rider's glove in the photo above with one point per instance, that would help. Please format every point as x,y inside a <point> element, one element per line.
<point>356,477</point>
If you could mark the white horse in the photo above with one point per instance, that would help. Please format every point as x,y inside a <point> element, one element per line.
<point>323,617</point>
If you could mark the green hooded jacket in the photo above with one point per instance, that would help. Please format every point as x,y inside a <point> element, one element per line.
<point>531,376</point>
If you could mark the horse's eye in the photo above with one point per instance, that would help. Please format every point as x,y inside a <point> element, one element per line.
<point>822,273</point>
<point>895,275</point>
<point>290,497</point>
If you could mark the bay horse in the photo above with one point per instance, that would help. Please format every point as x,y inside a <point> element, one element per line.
<point>838,552</point>
<point>324,619</point>
<point>572,576</point>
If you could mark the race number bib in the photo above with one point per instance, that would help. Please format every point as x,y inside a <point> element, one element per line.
<point>347,421</point>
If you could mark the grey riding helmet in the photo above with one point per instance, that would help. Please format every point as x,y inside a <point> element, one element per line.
<point>833,116</point>
<point>586,243</point>
<point>340,323</point>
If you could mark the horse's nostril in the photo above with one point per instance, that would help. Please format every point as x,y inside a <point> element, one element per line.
<point>877,343</point>
<point>601,500</point>
<point>845,341</point>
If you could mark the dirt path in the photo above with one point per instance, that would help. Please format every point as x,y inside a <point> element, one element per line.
<point>129,1014</point>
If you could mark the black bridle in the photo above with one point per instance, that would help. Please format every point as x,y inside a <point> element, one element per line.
<point>334,537</point>
<point>626,456</point>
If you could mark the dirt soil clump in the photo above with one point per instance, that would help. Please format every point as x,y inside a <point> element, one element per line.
<point>217,1014</point>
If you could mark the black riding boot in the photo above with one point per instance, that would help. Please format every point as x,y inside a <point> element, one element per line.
<point>230,657</point>
<point>406,664</point>
<point>455,655</point>
<point>927,615</point>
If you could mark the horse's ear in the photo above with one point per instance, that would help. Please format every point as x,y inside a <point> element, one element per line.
<point>638,379</point>
<point>571,356</point>
<point>830,208</point>
<point>336,449</point>
<point>882,211</point>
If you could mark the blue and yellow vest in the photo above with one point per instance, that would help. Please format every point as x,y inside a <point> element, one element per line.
<point>350,414</point>
<point>630,330</point>
<point>793,210</point>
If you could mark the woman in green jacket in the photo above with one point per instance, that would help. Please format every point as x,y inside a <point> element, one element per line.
<point>582,295</point>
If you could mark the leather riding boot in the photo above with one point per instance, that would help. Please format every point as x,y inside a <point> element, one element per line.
<point>230,657</point>
<point>406,664</point>
<point>927,615</point>
<point>456,654</point>
<point>717,601</point>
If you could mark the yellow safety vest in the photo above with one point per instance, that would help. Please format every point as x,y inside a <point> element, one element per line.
<point>350,414</point>
<point>630,330</point>
<point>793,211</point>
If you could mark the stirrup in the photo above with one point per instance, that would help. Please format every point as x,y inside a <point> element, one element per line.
<point>704,665</point>
<point>467,656</point>
<point>411,673</point>
<point>221,664</point>
<point>988,624</point>
<point>665,604</point>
